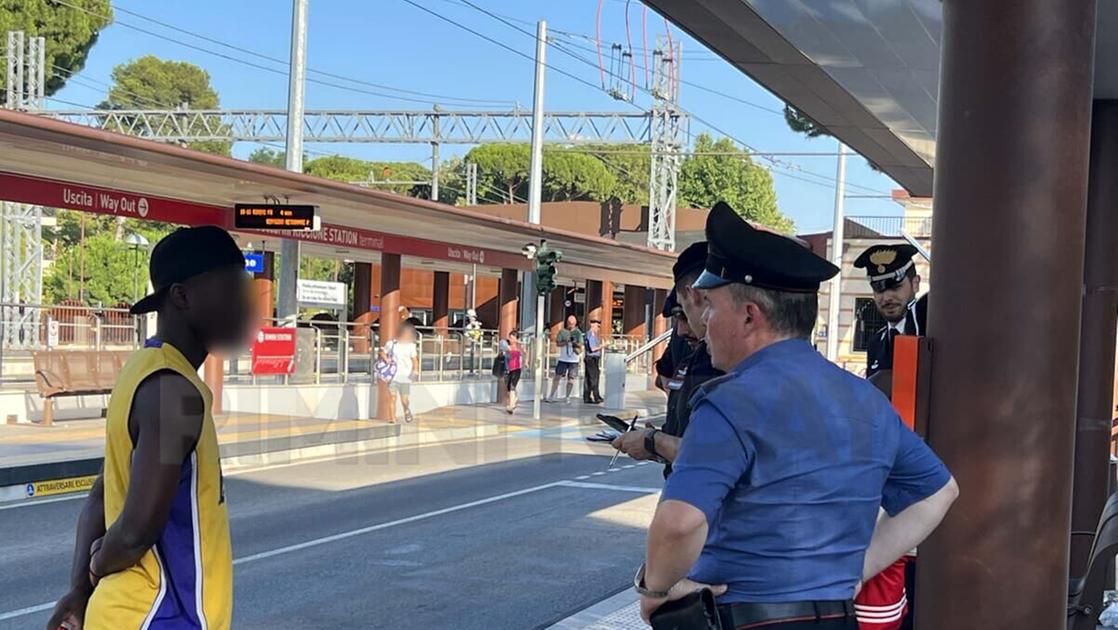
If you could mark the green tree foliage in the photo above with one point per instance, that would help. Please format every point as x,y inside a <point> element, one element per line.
<point>103,253</point>
<point>271,157</point>
<point>574,176</point>
<point>347,169</point>
<point>114,272</point>
<point>69,33</point>
<point>569,174</point>
<point>153,83</point>
<point>800,123</point>
<point>630,165</point>
<point>719,171</point>
<point>502,171</point>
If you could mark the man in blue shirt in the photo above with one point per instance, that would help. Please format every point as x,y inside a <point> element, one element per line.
<point>777,493</point>
<point>593,359</point>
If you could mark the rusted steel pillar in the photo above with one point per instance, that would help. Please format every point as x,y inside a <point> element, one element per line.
<point>1011,197</point>
<point>1095,407</point>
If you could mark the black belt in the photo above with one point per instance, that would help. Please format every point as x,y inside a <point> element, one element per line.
<point>745,616</point>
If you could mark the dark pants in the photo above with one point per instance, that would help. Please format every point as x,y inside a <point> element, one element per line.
<point>849,623</point>
<point>593,375</point>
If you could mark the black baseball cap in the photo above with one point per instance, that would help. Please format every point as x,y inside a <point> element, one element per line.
<point>183,254</point>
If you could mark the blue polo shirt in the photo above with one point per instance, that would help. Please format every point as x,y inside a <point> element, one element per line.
<point>790,458</point>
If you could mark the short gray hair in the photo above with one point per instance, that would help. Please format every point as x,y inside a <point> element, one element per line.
<point>792,314</point>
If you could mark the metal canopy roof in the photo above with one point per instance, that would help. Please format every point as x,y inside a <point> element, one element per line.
<point>41,148</point>
<point>868,71</point>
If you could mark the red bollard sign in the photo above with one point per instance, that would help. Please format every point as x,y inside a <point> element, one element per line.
<point>273,352</point>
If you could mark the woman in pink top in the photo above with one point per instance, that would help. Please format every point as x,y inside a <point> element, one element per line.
<point>514,359</point>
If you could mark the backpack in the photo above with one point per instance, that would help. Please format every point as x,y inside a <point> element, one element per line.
<point>386,370</point>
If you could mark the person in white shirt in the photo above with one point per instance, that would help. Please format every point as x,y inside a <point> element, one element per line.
<point>569,341</point>
<point>403,353</point>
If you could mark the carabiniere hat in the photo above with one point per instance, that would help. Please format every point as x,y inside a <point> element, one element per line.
<point>184,254</point>
<point>689,260</point>
<point>671,305</point>
<point>886,264</point>
<point>740,253</point>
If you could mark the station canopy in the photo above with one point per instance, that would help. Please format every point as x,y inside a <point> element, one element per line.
<point>61,165</point>
<point>867,71</point>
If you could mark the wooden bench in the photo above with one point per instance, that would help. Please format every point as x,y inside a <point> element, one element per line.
<point>75,373</point>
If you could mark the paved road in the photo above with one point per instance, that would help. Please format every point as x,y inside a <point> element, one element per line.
<point>509,532</point>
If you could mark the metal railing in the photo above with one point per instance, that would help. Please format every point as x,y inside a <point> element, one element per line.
<point>68,326</point>
<point>327,351</point>
<point>887,227</point>
<point>342,352</point>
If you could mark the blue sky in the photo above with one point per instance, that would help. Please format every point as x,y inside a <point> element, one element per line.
<point>393,43</point>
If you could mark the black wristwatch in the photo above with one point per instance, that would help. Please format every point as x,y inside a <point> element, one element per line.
<point>650,442</point>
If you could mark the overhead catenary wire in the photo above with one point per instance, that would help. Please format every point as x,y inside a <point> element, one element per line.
<point>283,72</point>
<point>805,174</point>
<point>694,116</point>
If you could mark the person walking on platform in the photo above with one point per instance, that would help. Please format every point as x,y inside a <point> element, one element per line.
<point>153,548</point>
<point>773,502</point>
<point>514,363</point>
<point>590,391</point>
<point>402,354</point>
<point>887,601</point>
<point>895,284</point>
<point>691,372</point>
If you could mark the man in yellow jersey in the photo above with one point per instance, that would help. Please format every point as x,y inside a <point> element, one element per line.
<point>152,547</point>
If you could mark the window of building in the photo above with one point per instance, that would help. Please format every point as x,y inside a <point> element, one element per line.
<point>867,322</point>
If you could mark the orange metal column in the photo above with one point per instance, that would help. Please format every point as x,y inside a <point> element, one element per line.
<point>213,373</point>
<point>440,305</point>
<point>634,311</point>
<point>659,327</point>
<point>509,298</point>
<point>362,306</point>
<point>607,309</point>
<point>262,285</point>
<point>389,320</point>
<point>593,301</point>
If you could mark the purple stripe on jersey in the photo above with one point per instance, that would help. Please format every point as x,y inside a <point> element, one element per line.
<point>179,610</point>
<point>153,342</point>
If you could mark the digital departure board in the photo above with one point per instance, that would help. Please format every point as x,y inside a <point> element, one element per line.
<point>275,216</point>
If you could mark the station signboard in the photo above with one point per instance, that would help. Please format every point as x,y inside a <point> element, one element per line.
<point>273,352</point>
<point>321,294</point>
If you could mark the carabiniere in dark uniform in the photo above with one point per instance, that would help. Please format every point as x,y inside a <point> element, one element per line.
<point>695,369</point>
<point>889,266</point>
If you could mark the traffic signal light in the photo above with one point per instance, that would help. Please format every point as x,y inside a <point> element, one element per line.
<point>545,268</point>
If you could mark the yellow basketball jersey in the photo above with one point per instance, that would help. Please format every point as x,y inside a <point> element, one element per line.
<point>186,580</point>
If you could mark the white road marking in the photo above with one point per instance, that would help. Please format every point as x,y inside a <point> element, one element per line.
<point>627,467</point>
<point>25,503</point>
<point>402,521</point>
<point>581,477</point>
<point>26,611</point>
<point>30,610</point>
<point>597,474</point>
<point>606,486</point>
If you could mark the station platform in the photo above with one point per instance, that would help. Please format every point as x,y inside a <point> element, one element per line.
<point>73,449</point>
<point>621,611</point>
